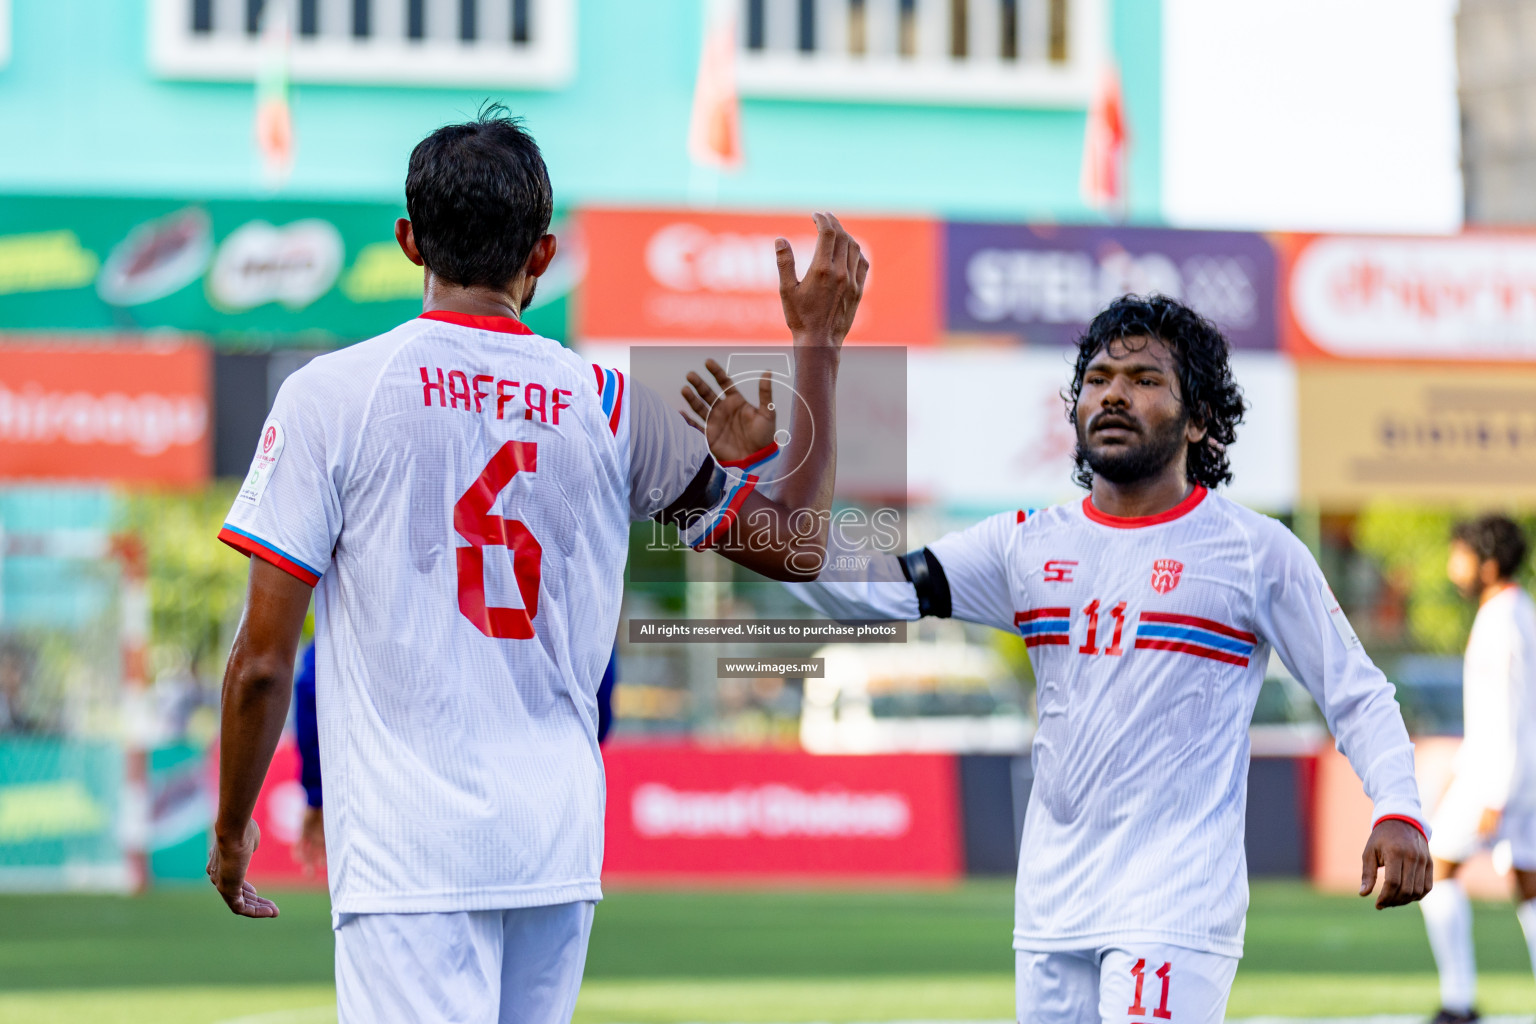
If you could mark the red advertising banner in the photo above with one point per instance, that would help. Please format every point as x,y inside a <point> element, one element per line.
<point>1465,298</point>
<point>134,413</point>
<point>681,812</point>
<point>657,275</point>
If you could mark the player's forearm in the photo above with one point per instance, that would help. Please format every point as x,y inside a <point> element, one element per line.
<point>1368,725</point>
<point>257,689</point>
<point>785,538</point>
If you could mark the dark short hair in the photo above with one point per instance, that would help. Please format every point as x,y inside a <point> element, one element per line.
<point>1496,537</point>
<point>478,196</point>
<point>1211,397</point>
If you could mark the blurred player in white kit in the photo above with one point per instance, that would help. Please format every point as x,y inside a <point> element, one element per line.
<point>458,492</point>
<point>1150,610</point>
<point>1492,795</point>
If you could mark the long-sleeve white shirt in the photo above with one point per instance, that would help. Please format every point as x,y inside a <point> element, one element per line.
<point>1149,639</point>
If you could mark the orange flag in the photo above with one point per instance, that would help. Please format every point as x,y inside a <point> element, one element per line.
<point>714,131</point>
<point>1104,147</point>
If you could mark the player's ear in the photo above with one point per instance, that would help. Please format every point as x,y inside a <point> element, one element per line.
<point>406,236</point>
<point>541,257</point>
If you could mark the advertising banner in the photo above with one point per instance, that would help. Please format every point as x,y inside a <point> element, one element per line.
<point>104,412</point>
<point>231,269</point>
<point>1467,298</point>
<point>675,276</point>
<point>685,812</point>
<point>1009,443</point>
<point>1044,284</point>
<point>59,803</point>
<point>1452,435</point>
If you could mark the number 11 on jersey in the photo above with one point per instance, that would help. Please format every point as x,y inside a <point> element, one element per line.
<point>1090,644</point>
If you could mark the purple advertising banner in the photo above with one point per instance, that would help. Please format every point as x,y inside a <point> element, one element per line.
<point>1045,283</point>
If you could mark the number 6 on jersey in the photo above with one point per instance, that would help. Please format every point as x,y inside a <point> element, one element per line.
<point>472,521</point>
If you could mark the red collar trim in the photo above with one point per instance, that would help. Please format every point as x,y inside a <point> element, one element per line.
<point>1183,508</point>
<point>499,324</point>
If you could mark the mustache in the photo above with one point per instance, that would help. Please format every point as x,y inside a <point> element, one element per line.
<point>1113,419</point>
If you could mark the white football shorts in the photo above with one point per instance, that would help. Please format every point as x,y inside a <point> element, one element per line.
<point>1454,835</point>
<point>518,966</point>
<point>1142,983</point>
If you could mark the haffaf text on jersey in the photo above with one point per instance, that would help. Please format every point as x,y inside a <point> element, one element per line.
<point>460,390</point>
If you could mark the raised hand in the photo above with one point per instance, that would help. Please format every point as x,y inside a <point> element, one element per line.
<point>734,427</point>
<point>819,309</point>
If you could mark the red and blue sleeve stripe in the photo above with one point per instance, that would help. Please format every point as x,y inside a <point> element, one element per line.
<point>250,544</point>
<point>750,462</point>
<point>610,388</point>
<point>722,524</point>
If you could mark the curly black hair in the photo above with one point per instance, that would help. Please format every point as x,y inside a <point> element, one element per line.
<point>1211,396</point>
<point>1496,537</point>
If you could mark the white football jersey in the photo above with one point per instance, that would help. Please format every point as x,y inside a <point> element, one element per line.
<point>1149,640</point>
<point>1497,760</point>
<point>460,491</point>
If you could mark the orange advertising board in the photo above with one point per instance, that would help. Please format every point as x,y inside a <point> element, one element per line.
<point>111,411</point>
<point>676,276</point>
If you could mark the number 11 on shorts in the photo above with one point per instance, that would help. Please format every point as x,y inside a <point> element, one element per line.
<point>1139,973</point>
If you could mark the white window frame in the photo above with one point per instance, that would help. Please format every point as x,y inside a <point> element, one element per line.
<point>926,78</point>
<point>547,62</point>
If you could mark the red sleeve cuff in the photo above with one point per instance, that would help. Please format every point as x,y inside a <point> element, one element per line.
<point>763,454</point>
<point>249,545</point>
<point>1404,818</point>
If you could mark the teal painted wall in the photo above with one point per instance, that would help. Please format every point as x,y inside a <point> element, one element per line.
<point>82,115</point>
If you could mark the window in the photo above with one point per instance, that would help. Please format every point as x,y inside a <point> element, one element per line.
<point>982,52</point>
<point>5,32</point>
<point>518,43</point>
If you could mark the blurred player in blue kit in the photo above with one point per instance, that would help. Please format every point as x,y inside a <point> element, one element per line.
<point>456,496</point>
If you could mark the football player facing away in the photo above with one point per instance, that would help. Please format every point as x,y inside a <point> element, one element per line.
<point>458,493</point>
<point>1150,609</point>
<point>1492,795</point>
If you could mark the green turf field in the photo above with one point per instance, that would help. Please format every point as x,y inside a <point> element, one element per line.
<point>668,956</point>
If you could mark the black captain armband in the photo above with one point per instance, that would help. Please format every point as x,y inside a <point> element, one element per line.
<point>923,571</point>
<point>702,494</point>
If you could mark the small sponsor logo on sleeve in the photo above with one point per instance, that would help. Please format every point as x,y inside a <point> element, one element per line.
<point>267,453</point>
<point>1340,621</point>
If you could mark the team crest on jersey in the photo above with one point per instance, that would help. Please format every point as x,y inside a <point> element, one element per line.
<point>1165,574</point>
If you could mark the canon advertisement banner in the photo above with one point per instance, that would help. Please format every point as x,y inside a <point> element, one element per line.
<point>104,412</point>
<point>684,276</point>
<point>684,812</point>
<point>1044,284</point>
<point>1472,297</point>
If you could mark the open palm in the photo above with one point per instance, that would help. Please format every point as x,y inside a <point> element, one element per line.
<point>734,427</point>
